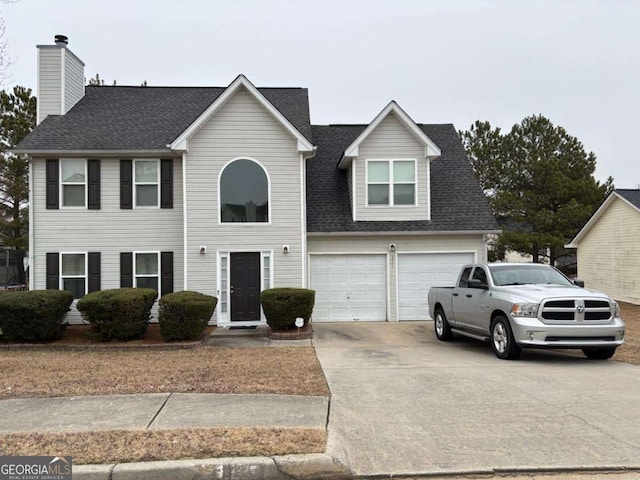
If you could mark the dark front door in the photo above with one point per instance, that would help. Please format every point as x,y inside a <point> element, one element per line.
<point>245,286</point>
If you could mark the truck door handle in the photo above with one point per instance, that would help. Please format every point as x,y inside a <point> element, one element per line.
<point>468,295</point>
<point>455,294</point>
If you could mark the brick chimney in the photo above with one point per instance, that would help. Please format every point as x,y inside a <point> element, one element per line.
<point>60,78</point>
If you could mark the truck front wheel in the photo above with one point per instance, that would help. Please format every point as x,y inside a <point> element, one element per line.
<point>502,340</point>
<point>442,327</point>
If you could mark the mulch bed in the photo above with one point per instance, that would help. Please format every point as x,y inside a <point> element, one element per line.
<point>75,338</point>
<point>302,333</point>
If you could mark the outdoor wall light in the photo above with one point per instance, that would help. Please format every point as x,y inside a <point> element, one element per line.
<point>392,247</point>
<point>203,249</point>
<point>285,248</point>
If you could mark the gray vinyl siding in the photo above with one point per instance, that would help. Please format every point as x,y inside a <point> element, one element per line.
<point>49,81</point>
<point>404,244</point>
<point>391,140</point>
<point>74,80</point>
<point>109,230</point>
<point>242,128</point>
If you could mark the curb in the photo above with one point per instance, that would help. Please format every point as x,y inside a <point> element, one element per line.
<point>286,467</point>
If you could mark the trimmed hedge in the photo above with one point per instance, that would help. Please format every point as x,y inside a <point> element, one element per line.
<point>281,306</point>
<point>185,315</point>
<point>34,316</point>
<point>121,313</point>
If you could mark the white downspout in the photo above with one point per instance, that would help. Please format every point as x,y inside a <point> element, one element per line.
<point>31,239</point>
<point>184,219</point>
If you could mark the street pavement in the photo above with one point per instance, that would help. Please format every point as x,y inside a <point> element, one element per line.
<point>404,403</point>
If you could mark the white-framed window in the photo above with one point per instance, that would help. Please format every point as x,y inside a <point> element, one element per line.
<point>146,270</point>
<point>73,183</point>
<point>224,283</point>
<point>146,180</point>
<point>244,192</point>
<point>73,273</point>
<point>266,270</point>
<point>391,183</point>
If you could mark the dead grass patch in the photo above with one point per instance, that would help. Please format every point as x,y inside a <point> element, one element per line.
<point>630,351</point>
<point>42,373</point>
<point>122,446</point>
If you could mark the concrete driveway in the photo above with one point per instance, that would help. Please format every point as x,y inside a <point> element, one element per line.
<point>404,403</point>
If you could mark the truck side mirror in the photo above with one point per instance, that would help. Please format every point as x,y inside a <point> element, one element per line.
<point>579,283</point>
<point>475,283</point>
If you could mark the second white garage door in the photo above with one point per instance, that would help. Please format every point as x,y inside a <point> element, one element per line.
<point>417,272</point>
<point>349,287</point>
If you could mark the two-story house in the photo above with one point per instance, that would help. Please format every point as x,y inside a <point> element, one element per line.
<point>231,190</point>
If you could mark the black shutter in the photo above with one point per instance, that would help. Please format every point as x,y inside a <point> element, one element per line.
<point>53,184</point>
<point>21,273</point>
<point>166,183</point>
<point>93,282</point>
<point>166,273</point>
<point>93,167</point>
<point>126,269</point>
<point>53,271</point>
<point>126,184</point>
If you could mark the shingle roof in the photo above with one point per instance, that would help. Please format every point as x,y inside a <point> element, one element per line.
<point>149,118</point>
<point>632,196</point>
<point>145,118</point>
<point>457,200</point>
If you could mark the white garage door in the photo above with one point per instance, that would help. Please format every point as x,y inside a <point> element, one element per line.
<point>349,287</point>
<point>417,272</point>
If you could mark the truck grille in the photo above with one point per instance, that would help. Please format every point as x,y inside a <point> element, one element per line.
<point>575,310</point>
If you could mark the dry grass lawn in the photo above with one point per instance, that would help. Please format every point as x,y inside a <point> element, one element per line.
<point>630,351</point>
<point>42,373</point>
<point>121,446</point>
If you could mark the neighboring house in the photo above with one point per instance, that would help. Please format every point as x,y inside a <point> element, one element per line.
<point>609,247</point>
<point>230,191</point>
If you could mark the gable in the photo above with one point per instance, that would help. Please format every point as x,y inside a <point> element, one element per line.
<point>430,149</point>
<point>391,139</point>
<point>620,204</point>
<point>241,83</point>
<point>242,127</point>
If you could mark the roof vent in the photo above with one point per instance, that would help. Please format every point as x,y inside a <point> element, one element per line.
<point>61,40</point>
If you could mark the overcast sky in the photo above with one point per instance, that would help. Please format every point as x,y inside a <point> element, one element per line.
<point>576,62</point>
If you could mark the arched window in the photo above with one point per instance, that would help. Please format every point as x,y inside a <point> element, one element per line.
<point>244,192</point>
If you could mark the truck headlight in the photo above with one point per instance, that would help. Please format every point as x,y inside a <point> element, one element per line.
<point>615,309</point>
<point>525,310</point>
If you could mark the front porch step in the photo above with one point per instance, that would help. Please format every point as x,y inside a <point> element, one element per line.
<point>226,332</point>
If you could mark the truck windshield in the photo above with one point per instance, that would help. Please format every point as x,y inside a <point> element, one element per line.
<point>525,274</point>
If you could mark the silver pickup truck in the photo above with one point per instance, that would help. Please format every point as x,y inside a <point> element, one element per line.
<point>516,305</point>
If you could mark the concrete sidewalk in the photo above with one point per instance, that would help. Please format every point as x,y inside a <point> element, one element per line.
<point>161,411</point>
<point>180,410</point>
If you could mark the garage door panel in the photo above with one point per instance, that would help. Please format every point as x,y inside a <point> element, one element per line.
<point>349,287</point>
<point>420,271</point>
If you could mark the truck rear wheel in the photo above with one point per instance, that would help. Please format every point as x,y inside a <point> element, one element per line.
<point>603,353</point>
<point>442,327</point>
<point>502,341</point>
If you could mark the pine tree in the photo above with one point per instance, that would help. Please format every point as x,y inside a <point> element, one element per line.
<point>539,182</point>
<point>17,119</point>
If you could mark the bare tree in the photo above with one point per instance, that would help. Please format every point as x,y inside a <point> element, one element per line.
<point>5,58</point>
